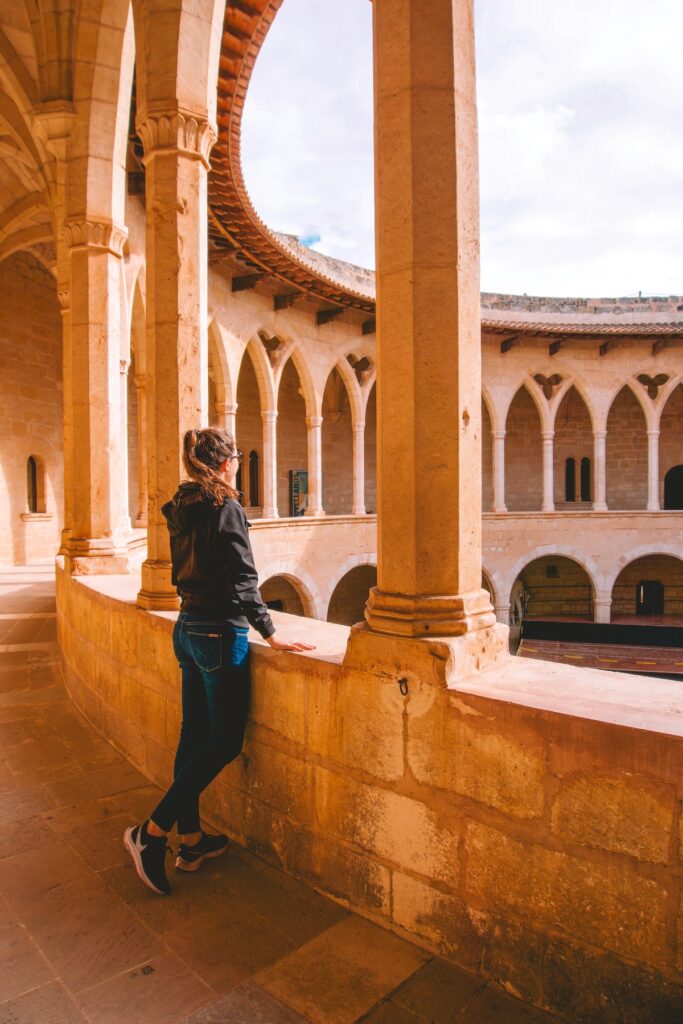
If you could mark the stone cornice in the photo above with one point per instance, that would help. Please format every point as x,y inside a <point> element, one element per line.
<point>176,132</point>
<point>95,234</point>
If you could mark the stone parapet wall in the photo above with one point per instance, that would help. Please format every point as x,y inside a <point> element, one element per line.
<point>527,825</point>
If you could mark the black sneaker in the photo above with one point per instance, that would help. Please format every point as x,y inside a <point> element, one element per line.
<point>148,853</point>
<point>191,857</point>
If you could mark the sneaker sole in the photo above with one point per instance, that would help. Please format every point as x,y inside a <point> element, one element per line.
<point>193,865</point>
<point>137,861</point>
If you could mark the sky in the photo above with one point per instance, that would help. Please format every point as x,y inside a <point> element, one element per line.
<point>581,149</point>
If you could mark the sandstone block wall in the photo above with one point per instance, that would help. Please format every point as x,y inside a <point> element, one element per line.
<point>31,420</point>
<point>544,849</point>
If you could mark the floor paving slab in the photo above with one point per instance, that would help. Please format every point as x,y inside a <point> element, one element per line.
<point>343,973</point>
<point>22,966</point>
<point>160,991</point>
<point>49,1004</point>
<point>491,1006</point>
<point>438,991</point>
<point>248,1004</point>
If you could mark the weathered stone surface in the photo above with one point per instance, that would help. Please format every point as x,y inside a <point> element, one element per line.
<point>440,918</point>
<point>598,988</point>
<point>513,957</point>
<point>341,872</point>
<point>618,909</point>
<point>465,753</point>
<point>367,733</point>
<point>394,827</point>
<point>615,813</point>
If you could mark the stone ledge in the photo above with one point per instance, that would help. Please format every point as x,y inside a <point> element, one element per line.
<point>615,698</point>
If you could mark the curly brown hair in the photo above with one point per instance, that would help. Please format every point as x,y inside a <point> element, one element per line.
<point>203,452</point>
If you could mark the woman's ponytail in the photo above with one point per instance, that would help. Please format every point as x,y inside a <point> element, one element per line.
<point>203,452</point>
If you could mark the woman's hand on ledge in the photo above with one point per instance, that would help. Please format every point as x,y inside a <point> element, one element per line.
<point>288,645</point>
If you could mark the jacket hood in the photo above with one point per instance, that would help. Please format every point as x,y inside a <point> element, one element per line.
<point>181,510</point>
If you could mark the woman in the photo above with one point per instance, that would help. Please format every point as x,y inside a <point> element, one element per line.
<point>214,573</point>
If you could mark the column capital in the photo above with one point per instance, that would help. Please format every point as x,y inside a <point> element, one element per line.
<point>599,435</point>
<point>314,421</point>
<point>498,435</point>
<point>124,366</point>
<point>359,426</point>
<point>98,235</point>
<point>54,120</point>
<point>548,435</point>
<point>229,408</point>
<point>653,433</point>
<point>269,415</point>
<point>141,380</point>
<point>176,132</point>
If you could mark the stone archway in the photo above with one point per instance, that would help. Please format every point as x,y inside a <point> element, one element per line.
<point>626,448</point>
<point>347,604</point>
<point>553,587</point>
<point>337,447</point>
<point>523,455</point>
<point>673,488</point>
<point>280,594</point>
<point>649,588</point>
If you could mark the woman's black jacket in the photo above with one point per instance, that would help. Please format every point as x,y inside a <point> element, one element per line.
<point>213,565</point>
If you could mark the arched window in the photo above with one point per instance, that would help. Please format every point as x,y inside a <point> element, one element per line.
<point>585,479</point>
<point>238,483</point>
<point>570,480</point>
<point>32,484</point>
<point>673,488</point>
<point>254,496</point>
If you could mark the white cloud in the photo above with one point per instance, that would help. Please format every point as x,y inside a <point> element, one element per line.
<point>581,159</point>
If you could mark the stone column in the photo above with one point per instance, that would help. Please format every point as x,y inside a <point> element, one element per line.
<point>602,608</point>
<point>653,471</point>
<point>54,121</point>
<point>499,471</point>
<point>141,381</point>
<point>269,418</point>
<point>428,326</point>
<point>176,159</point>
<point>548,472</point>
<point>124,367</point>
<point>503,613</point>
<point>600,470</point>
<point>98,538</point>
<point>227,417</point>
<point>358,506</point>
<point>314,425</point>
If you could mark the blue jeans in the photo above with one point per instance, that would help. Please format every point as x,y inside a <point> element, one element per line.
<point>214,658</point>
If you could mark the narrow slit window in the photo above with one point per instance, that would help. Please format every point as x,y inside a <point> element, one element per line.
<point>254,495</point>
<point>585,479</point>
<point>570,480</point>
<point>32,484</point>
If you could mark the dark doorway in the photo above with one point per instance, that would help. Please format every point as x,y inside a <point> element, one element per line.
<point>673,488</point>
<point>650,598</point>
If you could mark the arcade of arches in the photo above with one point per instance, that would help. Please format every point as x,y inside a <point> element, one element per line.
<point>528,821</point>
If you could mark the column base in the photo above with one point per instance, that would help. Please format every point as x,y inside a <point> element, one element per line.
<point>86,556</point>
<point>600,506</point>
<point>446,660</point>
<point>360,511</point>
<point>270,513</point>
<point>317,513</point>
<point>429,615</point>
<point>157,593</point>
<point>499,508</point>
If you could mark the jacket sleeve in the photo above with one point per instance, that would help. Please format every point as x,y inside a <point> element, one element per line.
<point>236,550</point>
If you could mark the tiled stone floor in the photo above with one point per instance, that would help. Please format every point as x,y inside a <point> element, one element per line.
<point>81,940</point>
